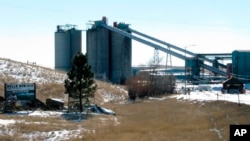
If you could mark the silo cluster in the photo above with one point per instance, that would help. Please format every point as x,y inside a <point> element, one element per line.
<point>67,44</point>
<point>109,53</point>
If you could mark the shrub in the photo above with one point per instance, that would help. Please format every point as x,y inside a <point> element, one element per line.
<point>144,84</point>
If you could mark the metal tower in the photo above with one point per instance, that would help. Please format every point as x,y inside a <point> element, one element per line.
<point>156,60</point>
<point>168,60</point>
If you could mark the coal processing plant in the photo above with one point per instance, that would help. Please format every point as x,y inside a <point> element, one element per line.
<point>109,52</point>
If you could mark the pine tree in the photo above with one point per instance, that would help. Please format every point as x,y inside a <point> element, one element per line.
<point>80,82</point>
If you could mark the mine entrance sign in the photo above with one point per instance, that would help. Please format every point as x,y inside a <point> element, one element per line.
<point>25,91</point>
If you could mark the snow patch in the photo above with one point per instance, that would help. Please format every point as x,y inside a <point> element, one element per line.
<point>4,122</point>
<point>217,131</point>
<point>156,98</point>
<point>46,113</point>
<point>212,93</point>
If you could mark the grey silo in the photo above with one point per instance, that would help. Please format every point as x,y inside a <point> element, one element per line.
<point>121,58</point>
<point>67,44</point>
<point>62,50</point>
<point>98,48</point>
<point>109,53</point>
<point>76,42</point>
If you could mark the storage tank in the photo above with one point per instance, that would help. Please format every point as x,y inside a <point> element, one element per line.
<point>120,57</point>
<point>98,48</point>
<point>240,64</point>
<point>76,42</point>
<point>109,53</point>
<point>62,50</point>
<point>67,43</point>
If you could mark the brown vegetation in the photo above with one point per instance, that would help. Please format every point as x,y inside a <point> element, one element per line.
<point>173,120</point>
<point>146,84</point>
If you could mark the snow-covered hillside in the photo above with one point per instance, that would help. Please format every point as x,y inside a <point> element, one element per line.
<point>23,72</point>
<point>17,72</point>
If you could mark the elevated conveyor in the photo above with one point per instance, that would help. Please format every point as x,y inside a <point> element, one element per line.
<point>213,69</point>
<point>161,48</point>
<point>162,42</point>
<point>144,41</point>
<point>175,47</point>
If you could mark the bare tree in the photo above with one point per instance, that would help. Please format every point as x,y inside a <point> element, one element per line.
<point>148,84</point>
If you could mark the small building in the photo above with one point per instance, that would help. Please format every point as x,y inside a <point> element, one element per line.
<point>241,65</point>
<point>233,85</point>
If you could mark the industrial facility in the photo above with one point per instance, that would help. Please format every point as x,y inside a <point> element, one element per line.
<point>68,41</point>
<point>109,52</point>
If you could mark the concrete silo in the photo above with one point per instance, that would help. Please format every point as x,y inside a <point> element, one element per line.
<point>98,48</point>
<point>76,42</point>
<point>109,53</point>
<point>67,44</point>
<point>121,55</point>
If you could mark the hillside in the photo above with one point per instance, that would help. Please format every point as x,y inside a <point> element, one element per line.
<point>50,83</point>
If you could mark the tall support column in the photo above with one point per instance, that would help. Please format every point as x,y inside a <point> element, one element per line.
<point>156,60</point>
<point>168,60</point>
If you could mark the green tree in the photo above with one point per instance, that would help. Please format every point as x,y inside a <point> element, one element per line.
<point>80,82</point>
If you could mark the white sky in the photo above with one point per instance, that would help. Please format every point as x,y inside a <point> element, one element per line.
<point>27,27</point>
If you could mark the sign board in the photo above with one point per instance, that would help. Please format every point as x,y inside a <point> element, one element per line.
<point>25,91</point>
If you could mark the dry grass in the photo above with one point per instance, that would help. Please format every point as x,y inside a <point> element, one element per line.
<point>144,120</point>
<point>50,90</point>
<point>172,120</point>
<point>45,127</point>
<point>115,93</point>
<point>42,125</point>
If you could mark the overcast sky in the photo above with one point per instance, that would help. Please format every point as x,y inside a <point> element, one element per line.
<point>216,26</point>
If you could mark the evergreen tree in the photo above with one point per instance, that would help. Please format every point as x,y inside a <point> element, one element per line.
<point>80,82</point>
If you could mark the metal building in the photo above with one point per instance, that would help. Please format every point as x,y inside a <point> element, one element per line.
<point>240,64</point>
<point>67,43</point>
<point>109,53</point>
<point>192,68</point>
